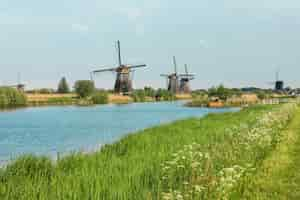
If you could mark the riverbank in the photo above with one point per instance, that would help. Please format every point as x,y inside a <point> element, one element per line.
<point>204,158</point>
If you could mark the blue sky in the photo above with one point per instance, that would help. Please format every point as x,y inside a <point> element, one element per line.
<point>234,42</point>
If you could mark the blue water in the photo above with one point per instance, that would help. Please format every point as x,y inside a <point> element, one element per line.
<point>48,130</point>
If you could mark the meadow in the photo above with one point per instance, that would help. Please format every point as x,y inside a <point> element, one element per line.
<point>216,157</point>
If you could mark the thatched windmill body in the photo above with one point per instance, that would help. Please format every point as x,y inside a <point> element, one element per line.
<point>172,79</point>
<point>185,81</point>
<point>123,83</point>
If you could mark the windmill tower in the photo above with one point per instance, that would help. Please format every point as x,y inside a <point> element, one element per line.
<point>185,81</point>
<point>123,83</point>
<point>279,84</point>
<point>172,79</point>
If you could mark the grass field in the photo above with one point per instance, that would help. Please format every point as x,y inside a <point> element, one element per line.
<point>216,157</point>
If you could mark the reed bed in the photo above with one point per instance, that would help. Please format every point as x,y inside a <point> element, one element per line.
<point>208,158</point>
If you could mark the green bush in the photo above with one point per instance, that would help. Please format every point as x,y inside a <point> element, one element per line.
<point>149,92</point>
<point>164,95</point>
<point>139,95</point>
<point>100,97</point>
<point>11,97</point>
<point>84,88</point>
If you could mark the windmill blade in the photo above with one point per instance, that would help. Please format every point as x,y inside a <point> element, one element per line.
<point>186,69</point>
<point>132,74</point>
<point>136,66</point>
<point>165,75</point>
<point>91,76</point>
<point>105,70</point>
<point>186,75</point>
<point>119,52</point>
<point>175,64</point>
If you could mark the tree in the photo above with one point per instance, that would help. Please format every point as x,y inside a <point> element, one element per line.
<point>63,86</point>
<point>100,97</point>
<point>220,91</point>
<point>149,92</point>
<point>84,88</point>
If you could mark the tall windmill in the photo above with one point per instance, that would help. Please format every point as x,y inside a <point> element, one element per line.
<point>172,79</point>
<point>123,83</point>
<point>185,81</point>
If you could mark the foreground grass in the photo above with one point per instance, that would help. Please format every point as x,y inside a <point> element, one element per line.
<point>134,167</point>
<point>279,176</point>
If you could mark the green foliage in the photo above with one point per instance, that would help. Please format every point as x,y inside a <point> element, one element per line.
<point>222,92</point>
<point>10,97</point>
<point>199,101</point>
<point>63,86</point>
<point>139,95</point>
<point>100,97</point>
<point>84,88</point>
<point>164,95</point>
<point>149,92</point>
<point>142,95</point>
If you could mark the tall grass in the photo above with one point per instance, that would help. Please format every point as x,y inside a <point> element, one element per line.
<point>11,97</point>
<point>135,167</point>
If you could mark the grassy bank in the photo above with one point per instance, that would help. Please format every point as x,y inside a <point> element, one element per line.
<point>208,158</point>
<point>279,175</point>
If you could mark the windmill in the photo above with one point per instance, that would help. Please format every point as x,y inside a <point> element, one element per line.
<point>19,86</point>
<point>185,81</point>
<point>172,79</point>
<point>278,84</point>
<point>123,83</point>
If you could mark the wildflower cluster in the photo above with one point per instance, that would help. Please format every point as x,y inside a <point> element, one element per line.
<point>196,172</point>
<point>185,176</point>
<point>266,132</point>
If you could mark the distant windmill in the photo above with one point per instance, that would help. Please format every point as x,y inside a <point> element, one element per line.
<point>172,79</point>
<point>278,84</point>
<point>19,85</point>
<point>185,81</point>
<point>123,83</point>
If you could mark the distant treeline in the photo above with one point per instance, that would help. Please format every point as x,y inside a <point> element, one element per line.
<point>150,94</point>
<point>11,97</point>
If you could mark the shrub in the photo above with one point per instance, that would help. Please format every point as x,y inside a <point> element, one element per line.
<point>138,95</point>
<point>11,97</point>
<point>164,95</point>
<point>149,92</point>
<point>100,97</point>
<point>84,88</point>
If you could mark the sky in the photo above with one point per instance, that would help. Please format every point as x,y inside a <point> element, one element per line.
<point>233,42</point>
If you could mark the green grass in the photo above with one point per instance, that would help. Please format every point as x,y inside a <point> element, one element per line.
<point>132,168</point>
<point>279,176</point>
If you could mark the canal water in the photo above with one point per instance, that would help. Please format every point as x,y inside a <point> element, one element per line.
<point>48,130</point>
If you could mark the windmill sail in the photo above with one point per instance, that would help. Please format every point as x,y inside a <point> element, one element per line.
<point>123,83</point>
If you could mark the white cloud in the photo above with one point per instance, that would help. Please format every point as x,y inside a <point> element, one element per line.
<point>80,27</point>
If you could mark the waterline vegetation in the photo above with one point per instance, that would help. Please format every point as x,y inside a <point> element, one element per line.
<point>209,158</point>
<point>11,97</point>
